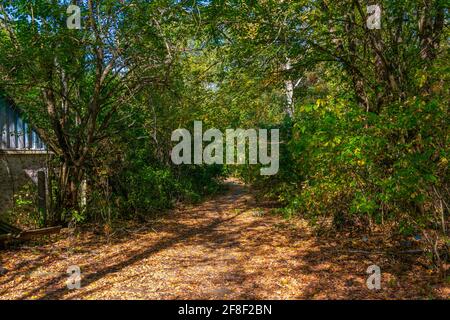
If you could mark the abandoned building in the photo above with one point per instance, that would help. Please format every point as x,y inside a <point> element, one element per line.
<point>23,157</point>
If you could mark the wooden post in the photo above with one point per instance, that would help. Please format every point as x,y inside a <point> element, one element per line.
<point>42,197</point>
<point>84,194</point>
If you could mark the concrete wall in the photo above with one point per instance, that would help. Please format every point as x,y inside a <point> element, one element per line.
<point>16,169</point>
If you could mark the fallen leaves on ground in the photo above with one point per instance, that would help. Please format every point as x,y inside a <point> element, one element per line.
<point>225,248</point>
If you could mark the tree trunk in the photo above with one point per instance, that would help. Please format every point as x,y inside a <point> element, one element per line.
<point>289,87</point>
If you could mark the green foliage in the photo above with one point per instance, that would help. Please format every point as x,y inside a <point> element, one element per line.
<point>351,165</point>
<point>146,188</point>
<point>24,210</point>
<point>367,141</point>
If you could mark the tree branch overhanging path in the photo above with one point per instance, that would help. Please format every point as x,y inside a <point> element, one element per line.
<point>228,247</point>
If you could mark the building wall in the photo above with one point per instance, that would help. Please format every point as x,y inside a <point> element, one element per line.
<point>16,170</point>
<point>15,133</point>
<point>22,153</point>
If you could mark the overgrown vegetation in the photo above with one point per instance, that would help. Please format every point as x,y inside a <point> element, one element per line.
<point>363,112</point>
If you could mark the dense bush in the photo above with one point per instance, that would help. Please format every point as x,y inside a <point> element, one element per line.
<point>360,168</point>
<point>149,188</point>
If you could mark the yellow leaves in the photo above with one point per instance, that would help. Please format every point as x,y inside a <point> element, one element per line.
<point>252,30</point>
<point>443,162</point>
<point>319,103</point>
<point>421,77</point>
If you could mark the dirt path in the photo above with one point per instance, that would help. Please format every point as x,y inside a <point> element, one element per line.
<point>225,248</point>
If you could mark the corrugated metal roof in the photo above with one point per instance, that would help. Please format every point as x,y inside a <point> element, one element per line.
<point>15,133</point>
